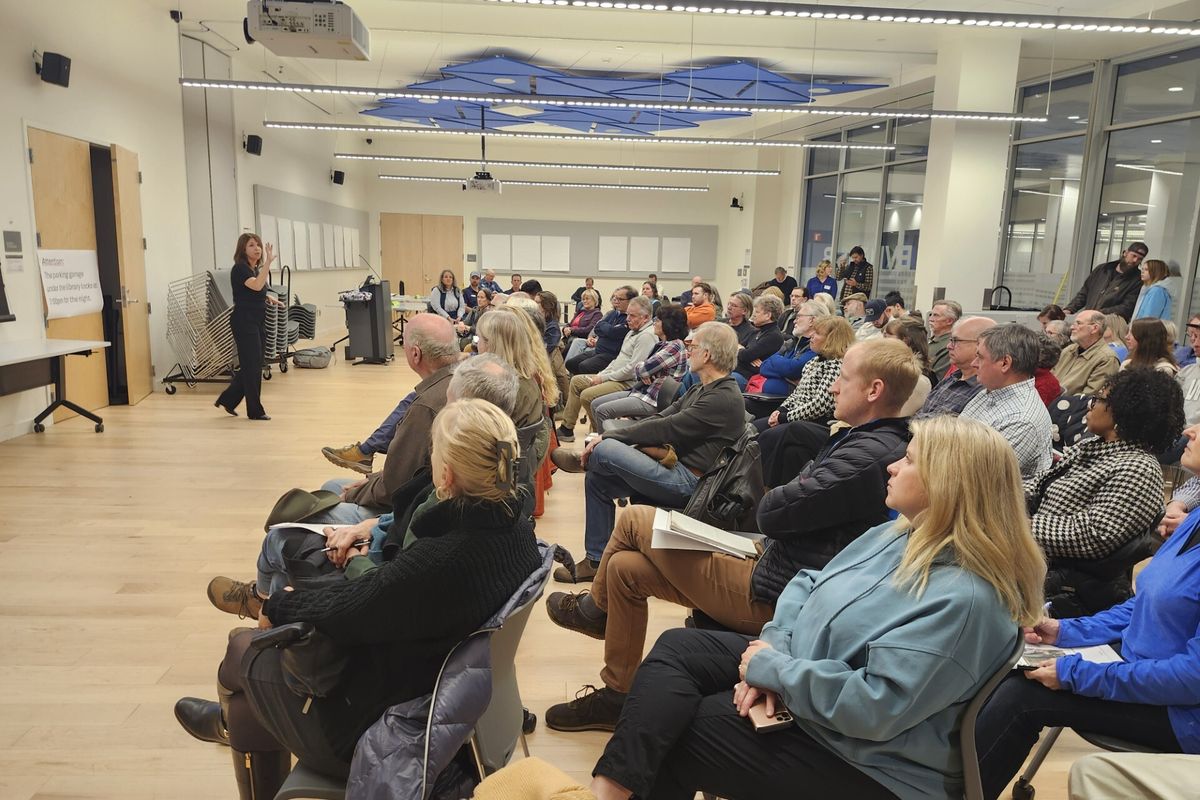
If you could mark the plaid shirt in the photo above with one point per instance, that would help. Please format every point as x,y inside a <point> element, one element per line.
<point>666,360</point>
<point>1099,496</point>
<point>950,395</point>
<point>1020,416</point>
<point>811,399</point>
<point>863,272</point>
<point>1188,494</point>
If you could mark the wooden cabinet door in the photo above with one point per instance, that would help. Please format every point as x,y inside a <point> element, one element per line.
<point>131,260</point>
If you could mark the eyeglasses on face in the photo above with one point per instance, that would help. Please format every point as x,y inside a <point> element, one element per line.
<point>1092,401</point>
<point>954,341</point>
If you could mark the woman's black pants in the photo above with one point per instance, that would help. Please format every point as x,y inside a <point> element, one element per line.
<point>247,381</point>
<point>680,733</point>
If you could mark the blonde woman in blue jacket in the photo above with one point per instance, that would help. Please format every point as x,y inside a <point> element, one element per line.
<point>876,656</point>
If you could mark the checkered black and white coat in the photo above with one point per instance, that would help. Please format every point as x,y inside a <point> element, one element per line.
<point>1098,497</point>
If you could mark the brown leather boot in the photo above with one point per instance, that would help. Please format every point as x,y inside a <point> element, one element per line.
<point>259,775</point>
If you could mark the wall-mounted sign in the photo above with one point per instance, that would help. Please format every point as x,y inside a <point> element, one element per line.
<point>71,281</point>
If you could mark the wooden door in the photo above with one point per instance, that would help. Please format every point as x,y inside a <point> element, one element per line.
<point>61,169</point>
<point>131,261</point>
<point>442,247</point>
<point>401,248</point>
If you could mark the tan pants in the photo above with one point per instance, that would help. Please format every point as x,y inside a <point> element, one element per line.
<point>631,571</point>
<point>1119,776</point>
<point>581,395</point>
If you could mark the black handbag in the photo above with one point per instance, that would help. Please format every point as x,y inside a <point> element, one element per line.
<point>312,662</point>
<point>728,494</point>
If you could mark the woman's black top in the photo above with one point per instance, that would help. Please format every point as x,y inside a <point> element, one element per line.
<point>244,298</point>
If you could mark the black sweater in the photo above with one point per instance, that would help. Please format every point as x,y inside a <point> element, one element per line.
<point>400,621</point>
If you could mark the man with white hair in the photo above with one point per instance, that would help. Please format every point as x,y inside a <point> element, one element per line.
<point>1084,366</point>
<point>942,317</point>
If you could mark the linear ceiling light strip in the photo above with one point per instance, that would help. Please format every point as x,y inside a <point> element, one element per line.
<point>546,165</point>
<point>539,101</point>
<point>749,8</point>
<point>569,137</point>
<point>555,184</point>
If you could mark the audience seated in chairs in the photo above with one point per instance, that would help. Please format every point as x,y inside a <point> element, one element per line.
<point>602,345</point>
<point>764,340</point>
<point>829,338</point>
<point>1150,698</point>
<point>1105,491</point>
<point>954,391</point>
<point>650,292</point>
<point>617,376</point>
<point>662,457</point>
<point>552,331</point>
<point>466,327</point>
<point>807,522</point>
<point>1088,361</point>
<point>1005,360</point>
<point>788,320</point>
<point>876,656</point>
<point>667,361</point>
<point>1047,386</point>
<point>580,327</point>
<point>702,307</point>
<point>912,333</point>
<point>393,626</point>
<point>942,317</point>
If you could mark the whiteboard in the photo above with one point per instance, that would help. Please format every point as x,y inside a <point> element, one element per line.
<point>556,253</point>
<point>327,245</point>
<point>339,245</point>
<point>497,253</point>
<point>614,254</point>
<point>300,242</point>
<point>676,254</point>
<point>643,253</point>
<point>526,253</point>
<point>287,253</point>
<point>316,248</point>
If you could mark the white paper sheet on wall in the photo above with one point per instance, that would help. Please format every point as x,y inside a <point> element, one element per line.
<point>300,242</point>
<point>327,245</point>
<point>497,252</point>
<point>316,248</point>
<point>355,252</point>
<point>556,253</point>
<point>286,252</point>
<point>643,253</point>
<point>614,254</point>
<point>676,254</point>
<point>269,232</point>
<point>526,253</point>
<point>339,245</point>
<point>346,247</point>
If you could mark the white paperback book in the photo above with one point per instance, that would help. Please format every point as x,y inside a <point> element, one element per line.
<point>674,530</point>
<point>308,526</point>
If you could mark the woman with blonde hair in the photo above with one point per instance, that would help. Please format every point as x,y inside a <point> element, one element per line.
<point>509,332</point>
<point>1115,331</point>
<point>823,282</point>
<point>831,337</point>
<point>467,552</point>
<point>875,656</point>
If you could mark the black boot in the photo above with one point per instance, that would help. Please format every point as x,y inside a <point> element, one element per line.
<point>202,719</point>
<point>259,775</point>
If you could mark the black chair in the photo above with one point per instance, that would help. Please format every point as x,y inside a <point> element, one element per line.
<point>1077,587</point>
<point>1023,788</point>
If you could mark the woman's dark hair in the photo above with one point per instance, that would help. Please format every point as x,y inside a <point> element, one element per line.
<point>239,252</point>
<point>490,294</point>
<point>912,333</point>
<point>653,288</point>
<point>531,287</point>
<point>1146,406</point>
<point>1152,343</point>
<point>453,280</point>
<point>549,304</point>
<point>1052,311</point>
<point>857,251</point>
<point>674,321</point>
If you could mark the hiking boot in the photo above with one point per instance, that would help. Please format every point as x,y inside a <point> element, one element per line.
<point>565,611</point>
<point>592,710</point>
<point>584,571</point>
<point>566,460</point>
<point>350,457</point>
<point>565,434</point>
<point>234,597</point>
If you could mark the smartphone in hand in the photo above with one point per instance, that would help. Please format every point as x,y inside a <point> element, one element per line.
<point>782,718</point>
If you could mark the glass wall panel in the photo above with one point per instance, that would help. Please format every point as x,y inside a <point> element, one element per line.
<point>1151,186</point>
<point>1158,87</point>
<point>911,138</point>
<point>819,205</point>
<point>1070,99</point>
<point>875,133</point>
<point>858,220</point>
<point>824,159</point>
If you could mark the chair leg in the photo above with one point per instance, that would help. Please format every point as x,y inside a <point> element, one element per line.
<point>524,745</point>
<point>1023,788</point>
<point>479,768</point>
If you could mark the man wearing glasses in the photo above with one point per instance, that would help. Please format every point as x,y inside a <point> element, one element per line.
<point>1088,362</point>
<point>1113,287</point>
<point>958,388</point>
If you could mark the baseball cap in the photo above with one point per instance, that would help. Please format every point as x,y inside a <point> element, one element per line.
<point>874,310</point>
<point>476,273</point>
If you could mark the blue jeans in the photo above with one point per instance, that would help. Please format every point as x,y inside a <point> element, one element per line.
<point>576,347</point>
<point>379,441</point>
<point>619,470</point>
<point>342,513</point>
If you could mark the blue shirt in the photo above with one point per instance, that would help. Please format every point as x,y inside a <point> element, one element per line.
<point>471,295</point>
<point>816,286</point>
<point>1159,632</point>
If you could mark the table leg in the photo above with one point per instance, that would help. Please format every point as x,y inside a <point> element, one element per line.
<point>58,373</point>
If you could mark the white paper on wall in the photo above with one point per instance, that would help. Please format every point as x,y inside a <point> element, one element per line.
<point>526,253</point>
<point>497,252</point>
<point>556,253</point>
<point>355,251</point>
<point>339,246</point>
<point>327,245</point>
<point>346,255</point>
<point>643,253</point>
<point>268,232</point>
<point>676,254</point>
<point>286,252</point>
<point>316,248</point>
<point>614,254</point>
<point>71,282</point>
<point>300,242</point>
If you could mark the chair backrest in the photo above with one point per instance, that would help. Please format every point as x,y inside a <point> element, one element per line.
<point>497,731</point>
<point>972,783</point>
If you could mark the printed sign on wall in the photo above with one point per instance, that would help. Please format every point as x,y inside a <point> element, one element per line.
<point>71,281</point>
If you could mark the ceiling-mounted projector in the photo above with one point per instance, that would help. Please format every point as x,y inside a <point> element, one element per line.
<point>482,182</point>
<point>316,29</point>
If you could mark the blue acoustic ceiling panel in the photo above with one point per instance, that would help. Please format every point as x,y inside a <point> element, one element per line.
<point>736,81</point>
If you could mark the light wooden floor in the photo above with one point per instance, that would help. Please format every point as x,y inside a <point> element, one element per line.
<point>107,542</point>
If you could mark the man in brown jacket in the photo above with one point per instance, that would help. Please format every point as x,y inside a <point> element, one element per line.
<point>1088,361</point>
<point>431,349</point>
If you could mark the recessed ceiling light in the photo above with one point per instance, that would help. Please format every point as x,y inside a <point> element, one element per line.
<point>504,81</point>
<point>1142,168</point>
<point>1073,116</point>
<point>876,127</point>
<point>1175,89</point>
<point>1156,141</point>
<point>1028,169</point>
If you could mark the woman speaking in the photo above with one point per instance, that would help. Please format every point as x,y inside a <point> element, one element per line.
<point>249,276</point>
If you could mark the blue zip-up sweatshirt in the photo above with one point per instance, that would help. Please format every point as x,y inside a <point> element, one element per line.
<point>1159,632</point>
<point>785,367</point>
<point>1154,302</point>
<point>879,675</point>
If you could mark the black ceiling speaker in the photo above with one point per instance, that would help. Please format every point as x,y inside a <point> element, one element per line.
<point>55,68</point>
<point>253,144</point>
<point>338,177</point>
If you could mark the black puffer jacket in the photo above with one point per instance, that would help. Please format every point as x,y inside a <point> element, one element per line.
<point>835,498</point>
